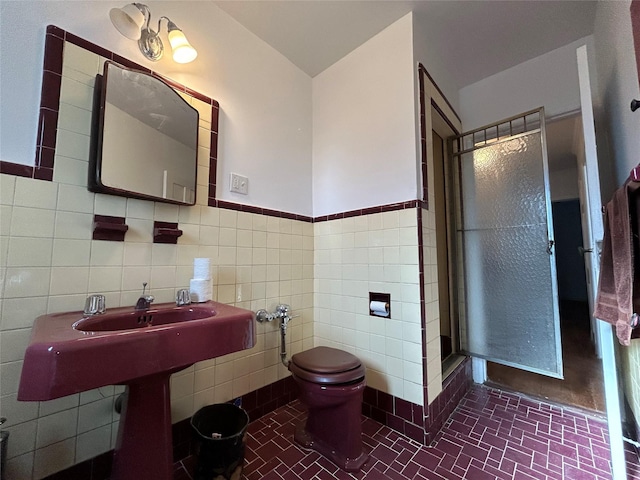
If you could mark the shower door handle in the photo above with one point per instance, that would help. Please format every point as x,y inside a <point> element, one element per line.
<point>550,247</point>
<point>582,250</point>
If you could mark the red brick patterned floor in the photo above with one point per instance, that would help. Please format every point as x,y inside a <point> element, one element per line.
<point>491,435</point>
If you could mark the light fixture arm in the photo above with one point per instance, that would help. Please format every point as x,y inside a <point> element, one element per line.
<point>149,42</point>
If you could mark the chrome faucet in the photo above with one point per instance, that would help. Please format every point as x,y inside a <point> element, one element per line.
<point>183,297</point>
<point>144,302</point>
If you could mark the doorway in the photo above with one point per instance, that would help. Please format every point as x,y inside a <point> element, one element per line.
<point>583,383</point>
<point>444,237</point>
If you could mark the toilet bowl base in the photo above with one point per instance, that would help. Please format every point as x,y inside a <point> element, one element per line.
<point>307,441</point>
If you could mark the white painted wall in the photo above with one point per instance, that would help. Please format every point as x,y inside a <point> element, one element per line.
<point>265,123</point>
<point>364,148</point>
<point>550,80</point>
<point>432,60</point>
<point>618,136</point>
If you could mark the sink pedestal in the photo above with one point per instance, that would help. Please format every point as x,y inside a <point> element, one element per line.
<point>144,448</point>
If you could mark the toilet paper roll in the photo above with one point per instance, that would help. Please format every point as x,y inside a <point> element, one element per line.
<point>202,268</point>
<point>380,309</point>
<point>201,290</point>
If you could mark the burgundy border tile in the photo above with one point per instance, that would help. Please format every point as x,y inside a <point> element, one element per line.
<point>50,93</point>
<point>43,174</point>
<point>16,169</point>
<point>53,49</point>
<point>87,45</point>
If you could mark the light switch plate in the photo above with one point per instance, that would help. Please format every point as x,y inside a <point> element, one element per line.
<point>239,184</point>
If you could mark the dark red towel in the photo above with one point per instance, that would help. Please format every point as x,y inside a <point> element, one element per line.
<point>614,302</point>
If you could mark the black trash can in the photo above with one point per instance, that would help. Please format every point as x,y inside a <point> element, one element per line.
<point>220,432</point>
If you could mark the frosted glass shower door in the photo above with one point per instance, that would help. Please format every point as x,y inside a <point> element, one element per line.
<point>505,237</point>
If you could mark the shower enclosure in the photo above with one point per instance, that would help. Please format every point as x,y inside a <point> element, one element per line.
<point>509,300</point>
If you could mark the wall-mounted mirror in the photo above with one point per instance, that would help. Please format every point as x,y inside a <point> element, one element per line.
<point>144,139</point>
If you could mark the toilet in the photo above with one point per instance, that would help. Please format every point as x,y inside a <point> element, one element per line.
<point>331,384</point>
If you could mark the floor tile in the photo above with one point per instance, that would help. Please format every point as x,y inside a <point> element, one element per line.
<point>491,435</point>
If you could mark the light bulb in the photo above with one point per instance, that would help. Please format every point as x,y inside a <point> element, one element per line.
<point>183,52</point>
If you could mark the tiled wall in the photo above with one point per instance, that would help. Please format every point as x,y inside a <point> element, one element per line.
<point>372,253</point>
<point>433,362</point>
<point>49,263</point>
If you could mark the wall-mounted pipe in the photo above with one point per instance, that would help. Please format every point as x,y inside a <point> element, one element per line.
<point>281,312</point>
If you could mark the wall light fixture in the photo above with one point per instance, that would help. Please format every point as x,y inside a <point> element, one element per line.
<point>133,21</point>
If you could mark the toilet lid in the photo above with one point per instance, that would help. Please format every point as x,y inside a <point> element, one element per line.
<point>327,365</point>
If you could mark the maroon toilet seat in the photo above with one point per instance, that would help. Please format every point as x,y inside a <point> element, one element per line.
<point>328,366</point>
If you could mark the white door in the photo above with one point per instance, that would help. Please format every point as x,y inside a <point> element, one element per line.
<point>591,206</point>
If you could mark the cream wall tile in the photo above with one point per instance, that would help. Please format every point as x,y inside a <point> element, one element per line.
<point>26,282</point>
<point>72,171</point>
<point>139,231</point>
<point>202,195</point>
<point>204,379</point>
<point>23,440</point>
<point>229,218</point>
<point>68,253</point>
<point>105,279</point>
<point>20,466</point>
<point>93,443</point>
<point>35,193</point>
<point>181,408</point>
<point>68,303</point>
<point>209,235</point>
<point>245,221</point>
<point>95,414</point>
<point>412,392</point>
<point>18,313</point>
<point>137,254</point>
<point>17,412</point>
<point>142,209</point>
<point>57,427</point>
<point>72,145</point>
<point>54,458</point>
<point>105,253</point>
<point>73,225</point>
<point>10,377</point>
<point>77,58</point>
<point>110,205</point>
<point>74,119</point>
<point>204,137</point>
<point>58,405</point>
<point>83,78</point>
<point>69,280</point>
<point>29,252</point>
<point>189,214</point>
<point>163,254</point>
<point>134,277</point>
<point>204,109</point>
<point>72,198</point>
<point>210,216</point>
<point>165,212</point>
<point>190,234</point>
<point>32,222</point>
<point>76,93</point>
<point>7,189</point>
<point>163,277</point>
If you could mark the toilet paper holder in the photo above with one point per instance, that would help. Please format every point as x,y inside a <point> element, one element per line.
<point>380,304</point>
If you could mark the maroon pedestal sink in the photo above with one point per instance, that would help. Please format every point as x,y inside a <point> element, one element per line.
<point>70,353</point>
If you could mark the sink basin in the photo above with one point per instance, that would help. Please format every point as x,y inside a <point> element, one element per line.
<point>70,353</point>
<point>143,318</point>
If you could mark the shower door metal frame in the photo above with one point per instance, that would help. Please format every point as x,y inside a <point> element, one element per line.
<point>490,135</point>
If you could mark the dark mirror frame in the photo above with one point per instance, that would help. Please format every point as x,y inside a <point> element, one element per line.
<point>96,167</point>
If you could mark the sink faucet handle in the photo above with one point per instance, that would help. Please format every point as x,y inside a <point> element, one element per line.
<point>183,297</point>
<point>94,304</point>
